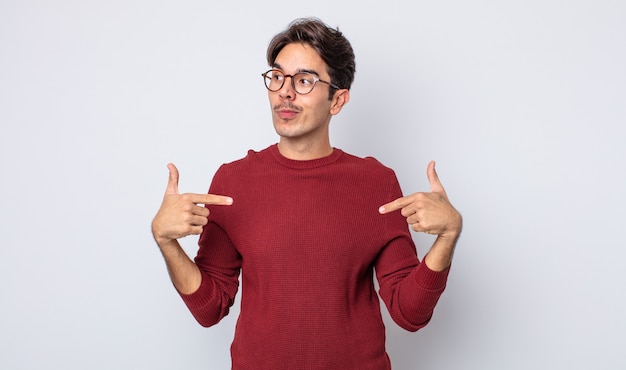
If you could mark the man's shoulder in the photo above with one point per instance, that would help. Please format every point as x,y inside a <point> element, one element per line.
<point>368,162</point>
<point>250,158</point>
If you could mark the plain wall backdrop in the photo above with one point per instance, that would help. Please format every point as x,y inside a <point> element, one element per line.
<point>521,103</point>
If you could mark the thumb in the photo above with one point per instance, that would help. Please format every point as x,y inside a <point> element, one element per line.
<point>433,179</point>
<point>172,182</point>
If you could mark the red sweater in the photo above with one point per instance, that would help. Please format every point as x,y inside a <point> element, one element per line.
<point>308,237</point>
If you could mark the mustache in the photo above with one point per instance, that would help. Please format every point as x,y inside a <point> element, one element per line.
<point>287,106</point>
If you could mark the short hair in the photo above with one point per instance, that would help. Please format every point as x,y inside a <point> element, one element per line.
<point>331,45</point>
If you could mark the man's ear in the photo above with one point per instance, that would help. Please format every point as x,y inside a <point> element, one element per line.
<point>341,98</point>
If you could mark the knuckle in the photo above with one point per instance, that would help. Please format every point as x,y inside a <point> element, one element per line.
<point>185,230</point>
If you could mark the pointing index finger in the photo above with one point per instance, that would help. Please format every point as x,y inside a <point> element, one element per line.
<point>207,199</point>
<point>394,205</point>
<point>220,200</point>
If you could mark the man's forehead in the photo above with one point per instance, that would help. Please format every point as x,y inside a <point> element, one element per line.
<point>298,57</point>
<point>298,70</point>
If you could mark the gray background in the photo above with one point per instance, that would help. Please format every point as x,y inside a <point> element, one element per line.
<point>522,104</point>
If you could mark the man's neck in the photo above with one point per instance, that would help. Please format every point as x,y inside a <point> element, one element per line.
<point>302,151</point>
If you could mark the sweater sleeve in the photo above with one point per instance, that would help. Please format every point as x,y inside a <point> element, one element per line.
<point>220,265</point>
<point>408,287</point>
<point>410,290</point>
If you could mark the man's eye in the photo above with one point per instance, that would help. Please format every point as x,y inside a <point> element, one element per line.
<point>305,81</point>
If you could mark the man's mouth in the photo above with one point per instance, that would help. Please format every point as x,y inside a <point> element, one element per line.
<point>286,111</point>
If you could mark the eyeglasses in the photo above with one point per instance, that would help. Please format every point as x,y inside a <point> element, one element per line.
<point>301,82</point>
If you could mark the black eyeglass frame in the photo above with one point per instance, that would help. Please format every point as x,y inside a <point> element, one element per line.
<point>293,84</point>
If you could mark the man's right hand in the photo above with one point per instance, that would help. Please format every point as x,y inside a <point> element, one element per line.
<point>182,214</point>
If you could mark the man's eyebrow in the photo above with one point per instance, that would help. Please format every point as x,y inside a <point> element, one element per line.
<point>301,70</point>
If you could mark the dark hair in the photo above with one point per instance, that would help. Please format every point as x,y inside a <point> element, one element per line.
<point>330,44</point>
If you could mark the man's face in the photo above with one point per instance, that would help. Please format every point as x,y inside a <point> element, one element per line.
<point>301,118</point>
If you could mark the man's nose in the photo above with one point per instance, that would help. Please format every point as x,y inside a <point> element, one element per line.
<point>287,91</point>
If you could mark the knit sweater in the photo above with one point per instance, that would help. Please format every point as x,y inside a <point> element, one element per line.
<point>308,239</point>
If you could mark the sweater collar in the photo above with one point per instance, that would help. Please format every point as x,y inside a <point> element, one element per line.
<point>306,164</point>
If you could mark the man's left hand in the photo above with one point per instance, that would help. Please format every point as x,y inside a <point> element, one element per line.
<point>428,212</point>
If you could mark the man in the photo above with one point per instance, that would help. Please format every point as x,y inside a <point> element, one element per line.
<point>307,225</point>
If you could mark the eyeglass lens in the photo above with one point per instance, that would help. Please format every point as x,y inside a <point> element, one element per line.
<point>302,82</point>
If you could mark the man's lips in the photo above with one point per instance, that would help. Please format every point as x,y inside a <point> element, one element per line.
<point>286,112</point>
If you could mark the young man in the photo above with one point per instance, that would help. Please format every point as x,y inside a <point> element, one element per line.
<point>307,225</point>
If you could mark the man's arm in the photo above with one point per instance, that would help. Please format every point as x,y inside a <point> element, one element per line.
<point>411,289</point>
<point>181,215</point>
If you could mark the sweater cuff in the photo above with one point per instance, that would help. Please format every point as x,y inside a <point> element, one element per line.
<point>429,279</point>
<point>201,297</point>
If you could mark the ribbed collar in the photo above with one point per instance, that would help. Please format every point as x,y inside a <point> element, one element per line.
<point>306,164</point>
